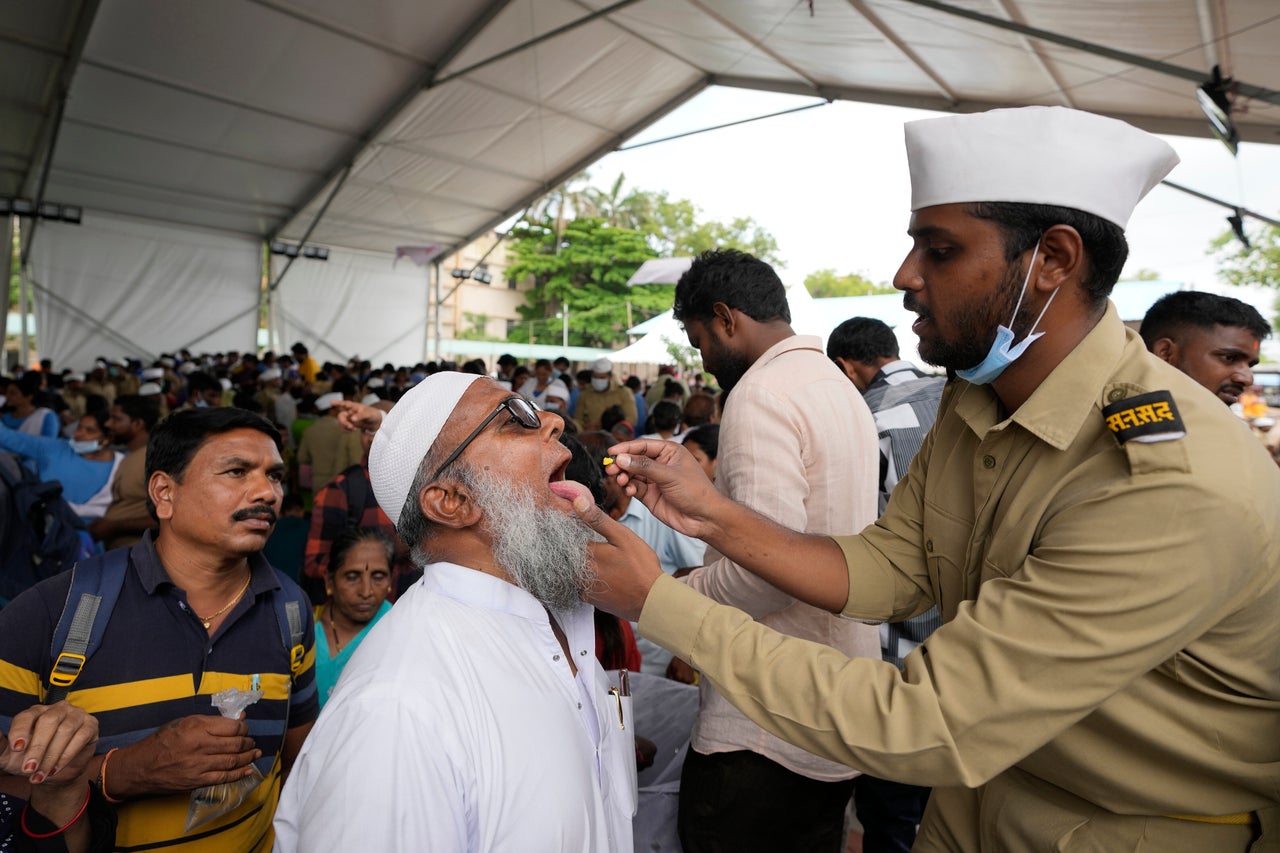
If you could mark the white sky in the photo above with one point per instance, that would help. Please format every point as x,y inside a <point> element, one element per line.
<point>831,185</point>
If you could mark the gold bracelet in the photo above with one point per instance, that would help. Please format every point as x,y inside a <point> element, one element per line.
<point>102,777</point>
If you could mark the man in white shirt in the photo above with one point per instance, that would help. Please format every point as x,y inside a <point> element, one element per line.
<point>474,716</point>
<point>798,444</point>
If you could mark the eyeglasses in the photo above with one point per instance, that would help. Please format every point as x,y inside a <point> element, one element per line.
<point>522,412</point>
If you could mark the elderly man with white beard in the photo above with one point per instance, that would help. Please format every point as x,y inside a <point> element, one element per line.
<point>474,716</point>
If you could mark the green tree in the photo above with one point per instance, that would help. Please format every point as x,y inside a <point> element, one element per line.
<point>1144,274</point>
<point>1240,265</point>
<point>673,228</point>
<point>825,283</point>
<point>581,243</point>
<point>689,359</point>
<point>585,267</point>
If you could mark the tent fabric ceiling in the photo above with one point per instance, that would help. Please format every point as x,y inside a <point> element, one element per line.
<point>431,123</point>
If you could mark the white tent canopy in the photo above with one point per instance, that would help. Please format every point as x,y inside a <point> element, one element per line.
<point>364,126</point>
<point>660,271</point>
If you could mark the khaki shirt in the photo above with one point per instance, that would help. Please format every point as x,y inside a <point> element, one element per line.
<point>129,498</point>
<point>592,405</point>
<point>1112,631</point>
<point>328,449</point>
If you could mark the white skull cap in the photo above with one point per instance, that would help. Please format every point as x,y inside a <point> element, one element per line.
<point>325,401</point>
<point>1036,155</point>
<point>407,433</point>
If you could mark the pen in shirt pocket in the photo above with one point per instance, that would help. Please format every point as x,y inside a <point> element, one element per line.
<point>622,690</point>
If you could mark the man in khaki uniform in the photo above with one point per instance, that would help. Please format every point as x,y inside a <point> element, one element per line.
<point>326,449</point>
<point>603,393</point>
<point>1097,531</point>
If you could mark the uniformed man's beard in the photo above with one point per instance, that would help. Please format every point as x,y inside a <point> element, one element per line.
<point>978,322</point>
<point>544,551</point>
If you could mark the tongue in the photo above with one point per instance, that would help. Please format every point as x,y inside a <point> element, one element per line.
<point>570,489</point>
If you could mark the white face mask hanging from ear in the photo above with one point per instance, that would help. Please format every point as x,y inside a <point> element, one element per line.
<point>1004,351</point>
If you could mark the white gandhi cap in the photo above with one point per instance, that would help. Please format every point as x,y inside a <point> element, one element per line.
<point>1036,155</point>
<point>407,433</point>
<point>325,401</point>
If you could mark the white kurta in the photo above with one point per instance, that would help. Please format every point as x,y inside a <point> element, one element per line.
<point>458,726</point>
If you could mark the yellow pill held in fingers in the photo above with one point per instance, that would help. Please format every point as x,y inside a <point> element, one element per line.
<point>608,460</point>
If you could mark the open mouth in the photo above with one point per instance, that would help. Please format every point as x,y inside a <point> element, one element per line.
<point>566,490</point>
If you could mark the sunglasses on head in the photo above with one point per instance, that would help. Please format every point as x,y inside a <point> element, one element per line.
<point>522,412</point>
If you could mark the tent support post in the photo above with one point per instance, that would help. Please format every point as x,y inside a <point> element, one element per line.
<point>439,308</point>
<point>433,269</point>
<point>24,340</point>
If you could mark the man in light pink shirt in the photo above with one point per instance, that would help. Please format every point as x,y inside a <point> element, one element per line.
<point>798,444</point>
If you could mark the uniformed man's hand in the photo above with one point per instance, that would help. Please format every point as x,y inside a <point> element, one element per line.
<point>678,670</point>
<point>646,752</point>
<point>183,755</point>
<point>625,567</point>
<point>669,481</point>
<point>49,744</point>
<point>357,416</point>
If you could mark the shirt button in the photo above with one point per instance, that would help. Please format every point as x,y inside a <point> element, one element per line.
<point>1115,394</point>
<point>928,545</point>
<point>583,652</point>
<point>555,657</point>
<point>579,706</point>
<point>988,461</point>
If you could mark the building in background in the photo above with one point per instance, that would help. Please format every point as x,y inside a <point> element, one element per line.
<point>482,305</point>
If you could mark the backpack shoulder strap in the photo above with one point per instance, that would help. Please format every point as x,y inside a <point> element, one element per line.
<point>95,587</point>
<point>288,607</point>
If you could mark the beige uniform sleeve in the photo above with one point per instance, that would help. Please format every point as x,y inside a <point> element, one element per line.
<point>1114,586</point>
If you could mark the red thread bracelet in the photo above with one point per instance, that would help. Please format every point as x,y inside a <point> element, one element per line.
<point>27,831</point>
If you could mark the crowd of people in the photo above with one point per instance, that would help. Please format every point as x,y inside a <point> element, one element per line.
<point>1023,600</point>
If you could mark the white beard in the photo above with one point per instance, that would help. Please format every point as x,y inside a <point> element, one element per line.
<point>543,550</point>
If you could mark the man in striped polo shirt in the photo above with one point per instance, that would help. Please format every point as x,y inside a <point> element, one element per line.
<point>198,612</point>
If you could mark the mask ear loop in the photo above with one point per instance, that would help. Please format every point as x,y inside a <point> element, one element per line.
<point>1025,282</point>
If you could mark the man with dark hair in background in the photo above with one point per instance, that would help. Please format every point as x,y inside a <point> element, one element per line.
<point>204,391</point>
<point>307,366</point>
<point>797,443</point>
<point>904,403</point>
<point>1213,339</point>
<point>130,423</point>
<point>700,410</point>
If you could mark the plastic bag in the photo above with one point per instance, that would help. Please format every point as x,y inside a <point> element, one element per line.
<point>213,801</point>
